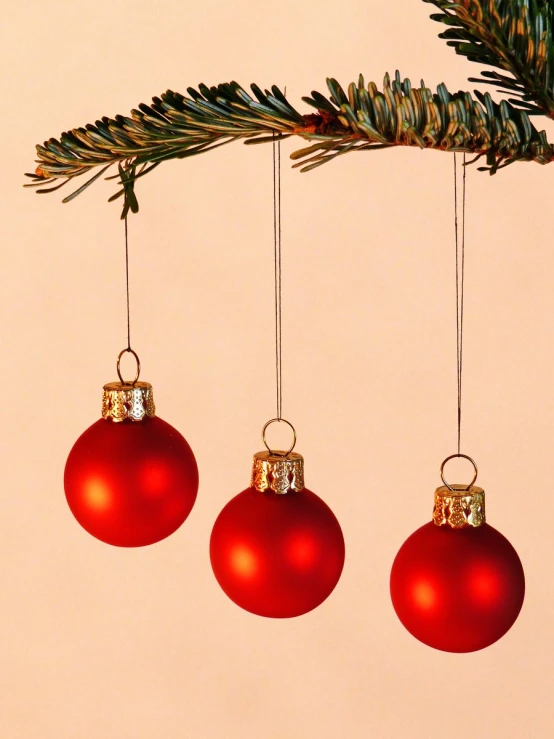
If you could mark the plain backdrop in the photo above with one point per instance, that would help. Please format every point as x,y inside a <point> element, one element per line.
<point>98,642</point>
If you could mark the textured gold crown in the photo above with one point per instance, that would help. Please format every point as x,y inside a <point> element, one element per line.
<point>122,401</point>
<point>278,472</point>
<point>459,507</point>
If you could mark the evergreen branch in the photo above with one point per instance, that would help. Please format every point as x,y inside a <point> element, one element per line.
<point>512,35</point>
<point>407,116</point>
<point>362,118</point>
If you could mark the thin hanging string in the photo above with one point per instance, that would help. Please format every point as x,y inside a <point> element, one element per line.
<point>127,284</point>
<point>277,260</point>
<point>460,274</point>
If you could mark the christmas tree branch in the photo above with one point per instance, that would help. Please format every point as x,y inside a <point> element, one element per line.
<point>512,35</point>
<point>361,118</point>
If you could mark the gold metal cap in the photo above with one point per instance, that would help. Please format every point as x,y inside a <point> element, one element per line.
<point>278,471</point>
<point>458,506</point>
<point>122,401</point>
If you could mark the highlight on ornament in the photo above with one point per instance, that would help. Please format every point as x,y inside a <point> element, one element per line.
<point>130,479</point>
<point>457,584</point>
<point>276,548</point>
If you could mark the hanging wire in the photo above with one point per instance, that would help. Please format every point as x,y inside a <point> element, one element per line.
<point>460,274</point>
<point>127,285</point>
<point>277,260</point>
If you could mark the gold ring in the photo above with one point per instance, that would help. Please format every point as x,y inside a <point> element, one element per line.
<point>135,355</point>
<point>452,456</point>
<point>271,451</point>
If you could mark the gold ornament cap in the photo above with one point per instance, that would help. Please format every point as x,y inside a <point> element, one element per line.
<point>122,401</point>
<point>133,401</point>
<point>278,471</point>
<point>459,506</point>
<point>275,470</point>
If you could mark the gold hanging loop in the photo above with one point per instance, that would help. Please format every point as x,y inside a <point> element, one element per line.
<point>135,355</point>
<point>269,449</point>
<point>453,456</point>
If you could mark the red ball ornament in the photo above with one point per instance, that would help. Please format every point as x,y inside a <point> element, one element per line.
<point>277,549</point>
<point>131,479</point>
<point>457,584</point>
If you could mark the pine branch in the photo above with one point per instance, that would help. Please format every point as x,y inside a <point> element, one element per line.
<point>405,116</point>
<point>512,35</point>
<point>363,118</point>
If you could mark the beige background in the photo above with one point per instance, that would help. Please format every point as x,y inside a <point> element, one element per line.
<point>102,643</point>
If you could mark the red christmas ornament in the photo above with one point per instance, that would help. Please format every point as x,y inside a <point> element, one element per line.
<point>456,583</point>
<point>131,479</point>
<point>277,549</point>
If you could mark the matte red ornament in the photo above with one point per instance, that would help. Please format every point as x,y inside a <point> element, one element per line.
<point>131,479</point>
<point>277,549</point>
<point>457,584</point>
